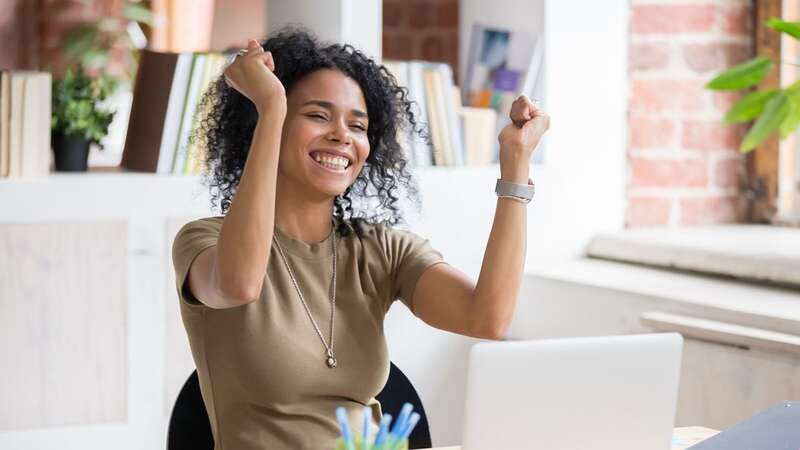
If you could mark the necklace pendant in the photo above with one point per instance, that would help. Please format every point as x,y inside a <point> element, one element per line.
<point>331,361</point>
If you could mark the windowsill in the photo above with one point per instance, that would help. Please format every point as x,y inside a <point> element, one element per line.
<point>619,287</point>
<point>756,253</point>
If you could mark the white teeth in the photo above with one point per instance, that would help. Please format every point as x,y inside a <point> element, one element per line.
<point>333,162</point>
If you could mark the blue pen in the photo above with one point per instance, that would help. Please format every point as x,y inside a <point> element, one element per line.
<point>380,438</point>
<point>400,423</point>
<point>406,432</point>
<point>365,431</point>
<point>341,416</point>
<point>412,422</point>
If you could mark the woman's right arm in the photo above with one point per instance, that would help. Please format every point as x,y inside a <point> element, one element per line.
<point>232,272</point>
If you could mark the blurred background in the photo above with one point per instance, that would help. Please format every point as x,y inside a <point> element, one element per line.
<point>664,202</point>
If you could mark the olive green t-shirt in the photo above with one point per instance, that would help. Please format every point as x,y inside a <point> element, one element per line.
<point>261,366</point>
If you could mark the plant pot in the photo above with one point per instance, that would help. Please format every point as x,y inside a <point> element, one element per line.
<point>71,153</point>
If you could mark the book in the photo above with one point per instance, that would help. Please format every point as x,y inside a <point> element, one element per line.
<point>420,147</point>
<point>17,94</point>
<point>146,124</point>
<point>196,152</point>
<point>36,110</point>
<point>451,106</point>
<point>436,105</point>
<point>434,118</point>
<point>5,110</point>
<point>25,114</point>
<point>479,134</point>
<point>170,137</point>
<point>191,94</point>
<point>405,138</point>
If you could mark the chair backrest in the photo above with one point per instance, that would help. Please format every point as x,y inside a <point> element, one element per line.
<point>189,428</point>
<point>399,390</point>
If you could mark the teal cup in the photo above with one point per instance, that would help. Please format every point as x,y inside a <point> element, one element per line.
<point>357,440</point>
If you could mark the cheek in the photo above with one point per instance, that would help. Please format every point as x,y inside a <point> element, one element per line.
<point>362,147</point>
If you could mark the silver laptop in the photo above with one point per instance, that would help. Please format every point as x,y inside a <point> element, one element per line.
<point>602,393</point>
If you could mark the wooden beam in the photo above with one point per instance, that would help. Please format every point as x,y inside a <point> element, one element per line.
<point>762,164</point>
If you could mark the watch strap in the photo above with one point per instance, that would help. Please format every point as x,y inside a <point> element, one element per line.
<point>508,189</point>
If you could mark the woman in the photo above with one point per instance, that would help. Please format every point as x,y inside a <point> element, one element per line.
<point>283,297</point>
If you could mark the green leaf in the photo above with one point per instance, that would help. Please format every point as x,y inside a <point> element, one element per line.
<point>793,88</point>
<point>750,106</point>
<point>774,113</point>
<point>95,59</point>
<point>79,40</point>
<point>138,13</point>
<point>744,75</point>
<point>790,28</point>
<point>792,121</point>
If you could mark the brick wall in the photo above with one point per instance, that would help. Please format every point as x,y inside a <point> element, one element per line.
<point>18,27</point>
<point>421,29</point>
<point>32,31</point>
<point>683,165</point>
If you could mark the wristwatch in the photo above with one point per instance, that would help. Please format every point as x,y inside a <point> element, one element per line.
<point>515,191</point>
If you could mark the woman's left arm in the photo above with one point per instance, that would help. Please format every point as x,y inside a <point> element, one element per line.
<point>445,297</point>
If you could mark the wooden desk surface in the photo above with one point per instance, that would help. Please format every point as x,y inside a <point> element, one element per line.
<point>682,439</point>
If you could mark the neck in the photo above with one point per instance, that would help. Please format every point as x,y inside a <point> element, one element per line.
<point>304,218</point>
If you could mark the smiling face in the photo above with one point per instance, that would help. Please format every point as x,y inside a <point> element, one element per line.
<point>324,144</point>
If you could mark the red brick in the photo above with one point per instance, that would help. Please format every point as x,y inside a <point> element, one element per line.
<point>648,211</point>
<point>11,34</point>
<point>710,135</point>
<point>708,210</point>
<point>398,46</point>
<point>672,18</point>
<point>702,58</point>
<point>421,14</point>
<point>649,56</point>
<point>723,100</point>
<point>648,132</point>
<point>394,14</point>
<point>668,173</point>
<point>668,95</point>
<point>434,48</point>
<point>737,19</point>
<point>727,173</point>
<point>447,14</point>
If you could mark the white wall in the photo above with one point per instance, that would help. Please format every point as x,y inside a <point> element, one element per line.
<point>355,22</point>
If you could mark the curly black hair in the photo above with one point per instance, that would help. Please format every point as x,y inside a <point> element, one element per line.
<point>229,119</point>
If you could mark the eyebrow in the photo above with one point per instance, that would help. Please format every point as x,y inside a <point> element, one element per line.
<point>329,105</point>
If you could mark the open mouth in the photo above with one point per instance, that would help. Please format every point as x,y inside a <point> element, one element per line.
<point>329,161</point>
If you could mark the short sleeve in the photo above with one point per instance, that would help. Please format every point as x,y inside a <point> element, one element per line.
<point>191,239</point>
<point>408,256</point>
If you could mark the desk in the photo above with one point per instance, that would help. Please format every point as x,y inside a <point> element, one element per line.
<point>682,439</point>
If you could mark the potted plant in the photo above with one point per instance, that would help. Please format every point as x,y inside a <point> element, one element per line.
<point>78,120</point>
<point>103,54</point>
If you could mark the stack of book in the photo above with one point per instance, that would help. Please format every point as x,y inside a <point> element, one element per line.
<point>438,107</point>
<point>164,112</point>
<point>25,124</point>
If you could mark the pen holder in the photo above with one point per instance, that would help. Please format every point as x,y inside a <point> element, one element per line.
<point>357,441</point>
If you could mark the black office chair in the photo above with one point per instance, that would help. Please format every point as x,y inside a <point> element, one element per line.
<point>189,428</point>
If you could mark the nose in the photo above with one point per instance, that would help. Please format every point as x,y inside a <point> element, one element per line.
<point>339,132</point>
